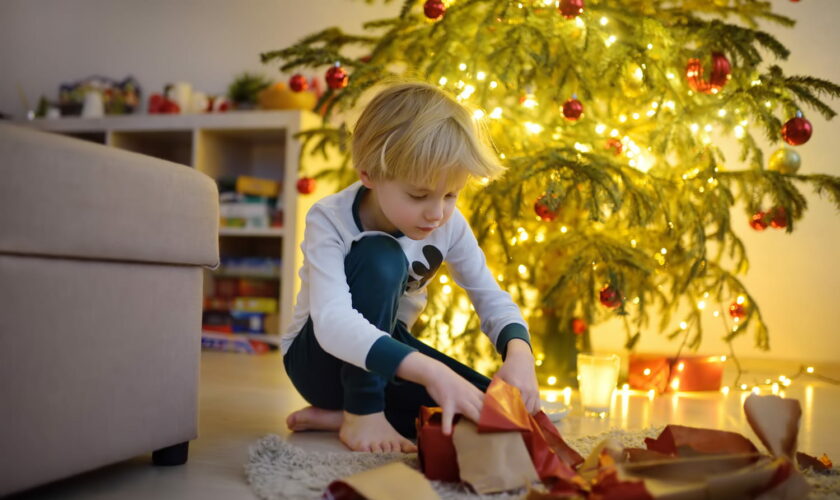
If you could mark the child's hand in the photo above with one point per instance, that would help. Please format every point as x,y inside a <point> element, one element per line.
<point>518,371</point>
<point>449,390</point>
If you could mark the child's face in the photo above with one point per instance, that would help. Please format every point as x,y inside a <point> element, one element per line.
<point>417,210</point>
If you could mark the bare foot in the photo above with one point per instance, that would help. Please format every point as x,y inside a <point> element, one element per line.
<point>315,419</point>
<point>372,433</point>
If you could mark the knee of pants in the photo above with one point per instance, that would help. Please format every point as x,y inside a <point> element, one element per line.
<point>377,259</point>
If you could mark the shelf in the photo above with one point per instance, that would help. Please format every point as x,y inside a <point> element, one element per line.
<point>268,338</point>
<point>268,232</point>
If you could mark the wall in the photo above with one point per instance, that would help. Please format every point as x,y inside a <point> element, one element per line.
<point>796,278</point>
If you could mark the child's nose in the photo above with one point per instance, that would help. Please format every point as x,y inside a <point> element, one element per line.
<point>434,213</point>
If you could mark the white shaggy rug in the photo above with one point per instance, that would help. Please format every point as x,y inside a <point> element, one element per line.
<point>278,470</point>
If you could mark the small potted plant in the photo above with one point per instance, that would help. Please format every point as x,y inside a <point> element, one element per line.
<point>245,89</point>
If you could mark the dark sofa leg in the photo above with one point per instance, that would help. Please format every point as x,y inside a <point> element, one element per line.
<point>172,455</point>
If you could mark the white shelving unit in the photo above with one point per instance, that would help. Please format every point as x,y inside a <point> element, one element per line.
<point>224,145</point>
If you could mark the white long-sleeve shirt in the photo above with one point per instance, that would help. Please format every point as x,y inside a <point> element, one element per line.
<point>332,225</point>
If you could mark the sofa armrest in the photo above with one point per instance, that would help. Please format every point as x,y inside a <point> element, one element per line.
<point>63,197</point>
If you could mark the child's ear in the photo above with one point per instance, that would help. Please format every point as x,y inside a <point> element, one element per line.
<point>366,180</point>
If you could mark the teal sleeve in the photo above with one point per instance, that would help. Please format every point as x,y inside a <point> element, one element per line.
<point>510,332</point>
<point>385,356</point>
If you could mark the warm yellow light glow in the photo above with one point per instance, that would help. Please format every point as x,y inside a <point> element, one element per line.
<point>707,128</point>
<point>600,128</point>
<point>533,128</point>
<point>579,22</point>
<point>722,113</point>
<point>743,387</point>
<point>649,46</point>
<point>442,80</point>
<point>775,388</point>
<point>636,300</point>
<point>810,369</point>
<point>529,102</point>
<point>611,40</point>
<point>625,387</point>
<point>663,251</point>
<point>502,156</point>
<point>551,397</point>
<point>444,279</point>
<point>563,229</point>
<point>604,21</point>
<point>583,148</point>
<point>694,128</point>
<point>478,114</point>
<point>500,277</point>
<point>683,325</point>
<point>622,118</point>
<point>681,366</point>
<point>636,116</point>
<point>725,390</point>
<point>740,299</point>
<point>493,84</point>
<point>722,358</point>
<point>701,304</point>
<point>716,314</point>
<point>756,390</point>
<point>460,84</point>
<point>523,271</point>
<point>462,67</point>
<point>447,289</point>
<point>670,75</point>
<point>633,243</point>
<point>614,132</point>
<point>675,384</point>
<point>739,132</point>
<point>484,181</point>
<point>552,380</point>
<point>468,91</point>
<point>496,113</point>
<point>481,75</point>
<point>646,371</point>
<point>651,394</point>
<point>540,237</point>
<point>670,105</point>
<point>755,82</point>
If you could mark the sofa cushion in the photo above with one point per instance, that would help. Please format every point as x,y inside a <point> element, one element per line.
<point>63,197</point>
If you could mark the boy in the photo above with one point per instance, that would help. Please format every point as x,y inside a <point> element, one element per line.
<point>369,252</point>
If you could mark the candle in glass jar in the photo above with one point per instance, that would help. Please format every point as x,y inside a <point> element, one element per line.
<point>597,377</point>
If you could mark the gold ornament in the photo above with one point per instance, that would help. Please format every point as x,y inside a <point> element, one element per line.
<point>722,3</point>
<point>633,80</point>
<point>785,161</point>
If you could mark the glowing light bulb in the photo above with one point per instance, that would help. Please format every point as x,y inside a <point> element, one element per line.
<point>478,114</point>
<point>552,380</point>
<point>600,128</point>
<point>810,369</point>
<point>722,113</point>
<point>493,84</point>
<point>444,279</point>
<point>740,299</point>
<point>611,40</point>
<point>563,229</point>
<point>442,81</point>
<point>533,128</point>
<point>646,371</point>
<point>604,21</point>
<point>496,113</point>
<point>683,325</point>
<point>462,67</point>
<point>447,289</point>
<point>481,75</point>
<point>701,304</point>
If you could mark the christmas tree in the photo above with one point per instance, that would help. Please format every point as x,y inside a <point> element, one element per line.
<point>614,120</point>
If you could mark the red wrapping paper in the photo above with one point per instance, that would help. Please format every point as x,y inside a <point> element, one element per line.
<point>503,411</point>
<point>686,373</point>
<point>435,449</point>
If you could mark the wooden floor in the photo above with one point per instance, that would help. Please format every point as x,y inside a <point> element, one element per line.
<point>244,397</point>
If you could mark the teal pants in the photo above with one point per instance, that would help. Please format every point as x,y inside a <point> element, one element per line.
<point>377,273</point>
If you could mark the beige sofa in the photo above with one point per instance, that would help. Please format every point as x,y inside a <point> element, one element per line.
<point>101,255</point>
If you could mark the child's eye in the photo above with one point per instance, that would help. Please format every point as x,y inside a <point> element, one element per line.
<point>451,195</point>
<point>421,197</point>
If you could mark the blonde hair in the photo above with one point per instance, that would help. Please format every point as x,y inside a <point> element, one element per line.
<point>416,132</point>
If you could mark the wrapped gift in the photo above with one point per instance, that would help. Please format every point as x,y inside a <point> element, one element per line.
<point>503,411</point>
<point>684,373</point>
<point>434,449</point>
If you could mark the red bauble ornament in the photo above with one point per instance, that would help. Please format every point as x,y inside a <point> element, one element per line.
<point>615,144</point>
<point>298,83</point>
<point>572,109</point>
<point>779,217</point>
<point>721,73</point>
<point>759,221</point>
<point>434,9</point>
<point>543,210</point>
<point>610,297</point>
<point>571,8</point>
<point>336,77</point>
<point>306,185</point>
<point>797,130</point>
<point>578,326</point>
<point>737,311</point>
